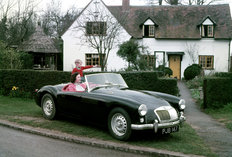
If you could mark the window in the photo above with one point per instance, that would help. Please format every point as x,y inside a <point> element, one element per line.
<point>149,30</point>
<point>150,60</point>
<point>207,31</point>
<point>206,62</point>
<point>92,59</point>
<point>96,28</point>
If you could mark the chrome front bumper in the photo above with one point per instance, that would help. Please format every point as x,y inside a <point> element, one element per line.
<point>156,125</point>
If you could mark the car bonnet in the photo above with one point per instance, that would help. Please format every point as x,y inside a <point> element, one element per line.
<point>151,101</point>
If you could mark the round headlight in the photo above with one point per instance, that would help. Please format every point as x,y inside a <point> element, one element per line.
<point>142,110</point>
<point>182,104</point>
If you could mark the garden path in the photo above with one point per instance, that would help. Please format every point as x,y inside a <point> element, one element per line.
<point>212,132</point>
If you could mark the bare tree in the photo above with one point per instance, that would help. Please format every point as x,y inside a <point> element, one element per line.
<point>172,2</point>
<point>181,2</point>
<point>153,2</point>
<point>193,51</point>
<point>100,30</point>
<point>16,20</point>
<point>5,7</point>
<point>54,21</point>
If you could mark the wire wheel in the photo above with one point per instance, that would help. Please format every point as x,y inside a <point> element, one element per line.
<point>48,106</point>
<point>119,124</point>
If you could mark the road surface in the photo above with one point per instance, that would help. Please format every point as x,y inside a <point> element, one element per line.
<point>15,143</point>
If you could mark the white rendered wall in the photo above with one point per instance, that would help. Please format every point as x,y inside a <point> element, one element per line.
<point>218,48</point>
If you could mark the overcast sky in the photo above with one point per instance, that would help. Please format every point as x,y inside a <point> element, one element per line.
<point>66,4</point>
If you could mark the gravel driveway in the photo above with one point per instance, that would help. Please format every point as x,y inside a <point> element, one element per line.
<point>212,132</point>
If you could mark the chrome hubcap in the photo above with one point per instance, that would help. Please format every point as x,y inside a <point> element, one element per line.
<point>119,124</point>
<point>48,106</point>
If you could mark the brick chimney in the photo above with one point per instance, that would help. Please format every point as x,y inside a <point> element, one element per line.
<point>125,5</point>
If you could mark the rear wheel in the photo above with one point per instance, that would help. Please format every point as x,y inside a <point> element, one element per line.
<point>119,124</point>
<point>48,106</point>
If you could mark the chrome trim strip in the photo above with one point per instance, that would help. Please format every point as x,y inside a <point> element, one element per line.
<point>157,125</point>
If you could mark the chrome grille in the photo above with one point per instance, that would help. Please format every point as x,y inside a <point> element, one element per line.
<point>163,115</point>
<point>166,114</point>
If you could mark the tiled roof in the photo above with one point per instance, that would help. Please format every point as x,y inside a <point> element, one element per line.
<point>39,42</point>
<point>176,22</point>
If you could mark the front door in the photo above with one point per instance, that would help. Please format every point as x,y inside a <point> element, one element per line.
<point>174,64</point>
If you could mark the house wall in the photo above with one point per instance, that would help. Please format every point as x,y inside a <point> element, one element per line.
<point>76,45</point>
<point>218,48</point>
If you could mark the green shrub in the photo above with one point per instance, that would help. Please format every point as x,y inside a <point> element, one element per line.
<point>167,85</point>
<point>140,80</point>
<point>195,83</point>
<point>192,71</point>
<point>223,74</point>
<point>165,70</point>
<point>217,92</point>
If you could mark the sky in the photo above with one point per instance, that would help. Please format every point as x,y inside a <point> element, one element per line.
<point>66,4</point>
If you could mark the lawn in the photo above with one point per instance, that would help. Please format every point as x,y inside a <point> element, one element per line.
<point>223,115</point>
<point>25,111</point>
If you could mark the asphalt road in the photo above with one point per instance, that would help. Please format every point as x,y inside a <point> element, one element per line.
<point>15,143</point>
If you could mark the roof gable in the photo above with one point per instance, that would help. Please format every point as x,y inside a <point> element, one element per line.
<point>207,21</point>
<point>149,21</point>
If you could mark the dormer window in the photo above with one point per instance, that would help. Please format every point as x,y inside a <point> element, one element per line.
<point>207,31</point>
<point>207,28</point>
<point>149,28</point>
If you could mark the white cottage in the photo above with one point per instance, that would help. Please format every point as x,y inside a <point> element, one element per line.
<point>176,36</point>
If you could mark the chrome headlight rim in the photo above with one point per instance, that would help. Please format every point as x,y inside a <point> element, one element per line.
<point>142,110</point>
<point>182,104</point>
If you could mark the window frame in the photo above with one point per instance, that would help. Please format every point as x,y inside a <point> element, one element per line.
<point>209,30</point>
<point>149,30</point>
<point>96,28</point>
<point>92,57</point>
<point>203,62</point>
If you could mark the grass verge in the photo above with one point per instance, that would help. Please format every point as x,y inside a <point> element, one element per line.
<point>223,115</point>
<point>25,111</point>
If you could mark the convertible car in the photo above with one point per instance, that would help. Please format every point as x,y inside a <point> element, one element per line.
<point>108,101</point>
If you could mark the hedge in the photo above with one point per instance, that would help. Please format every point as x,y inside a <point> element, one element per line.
<point>26,81</point>
<point>223,74</point>
<point>217,92</point>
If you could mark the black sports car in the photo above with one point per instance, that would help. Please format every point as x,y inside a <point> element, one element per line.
<point>108,101</point>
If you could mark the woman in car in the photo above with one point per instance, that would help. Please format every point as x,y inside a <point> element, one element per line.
<point>75,85</point>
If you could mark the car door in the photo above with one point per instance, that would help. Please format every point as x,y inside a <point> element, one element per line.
<point>93,107</point>
<point>70,102</point>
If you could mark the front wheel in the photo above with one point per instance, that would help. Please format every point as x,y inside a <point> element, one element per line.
<point>119,124</point>
<point>48,107</point>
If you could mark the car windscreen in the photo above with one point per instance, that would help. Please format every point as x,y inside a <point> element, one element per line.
<point>105,79</point>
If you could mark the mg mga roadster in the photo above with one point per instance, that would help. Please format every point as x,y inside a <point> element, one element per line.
<point>108,101</point>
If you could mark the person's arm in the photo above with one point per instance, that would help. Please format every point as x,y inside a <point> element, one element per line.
<point>83,85</point>
<point>86,67</point>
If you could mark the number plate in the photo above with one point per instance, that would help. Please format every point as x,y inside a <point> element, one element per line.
<point>170,130</point>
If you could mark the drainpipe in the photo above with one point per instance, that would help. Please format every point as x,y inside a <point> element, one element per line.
<point>229,58</point>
